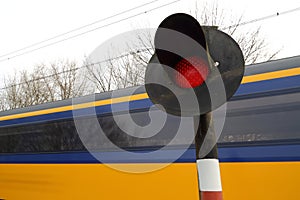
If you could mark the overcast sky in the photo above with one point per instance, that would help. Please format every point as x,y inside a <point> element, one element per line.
<point>27,22</point>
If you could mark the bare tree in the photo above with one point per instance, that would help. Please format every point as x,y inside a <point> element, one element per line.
<point>3,104</point>
<point>125,71</point>
<point>43,84</point>
<point>66,80</point>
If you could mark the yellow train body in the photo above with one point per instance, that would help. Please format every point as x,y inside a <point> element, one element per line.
<point>247,181</point>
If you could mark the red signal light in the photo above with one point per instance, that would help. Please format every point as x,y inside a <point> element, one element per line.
<point>191,72</point>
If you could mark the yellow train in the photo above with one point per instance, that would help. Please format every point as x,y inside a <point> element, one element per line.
<point>42,155</point>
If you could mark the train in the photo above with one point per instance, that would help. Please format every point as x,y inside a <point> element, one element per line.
<point>44,156</point>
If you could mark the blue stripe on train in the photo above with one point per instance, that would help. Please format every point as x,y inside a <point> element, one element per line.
<point>275,153</point>
<point>269,85</point>
<point>260,153</point>
<point>164,156</point>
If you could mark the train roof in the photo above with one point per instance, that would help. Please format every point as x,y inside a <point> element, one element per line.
<point>273,65</point>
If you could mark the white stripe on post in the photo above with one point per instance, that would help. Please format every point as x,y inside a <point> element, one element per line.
<point>209,175</point>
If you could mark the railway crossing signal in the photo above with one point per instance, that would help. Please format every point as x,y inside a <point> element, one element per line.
<point>194,71</point>
<point>192,60</point>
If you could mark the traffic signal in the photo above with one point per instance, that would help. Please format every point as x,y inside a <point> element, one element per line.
<point>194,69</point>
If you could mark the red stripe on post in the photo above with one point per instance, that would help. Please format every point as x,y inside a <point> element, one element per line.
<point>205,195</point>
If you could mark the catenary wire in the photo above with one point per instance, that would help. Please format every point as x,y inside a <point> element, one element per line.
<point>91,30</point>
<point>277,14</point>
<point>132,16</point>
<point>79,28</point>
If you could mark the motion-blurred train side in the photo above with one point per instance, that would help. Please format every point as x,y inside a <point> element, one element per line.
<point>42,155</point>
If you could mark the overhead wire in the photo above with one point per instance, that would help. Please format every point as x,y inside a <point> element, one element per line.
<point>79,28</point>
<point>277,14</point>
<point>118,21</point>
<point>88,31</point>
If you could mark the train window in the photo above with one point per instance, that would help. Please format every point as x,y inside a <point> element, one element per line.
<point>62,135</point>
<point>43,137</point>
<point>261,125</point>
